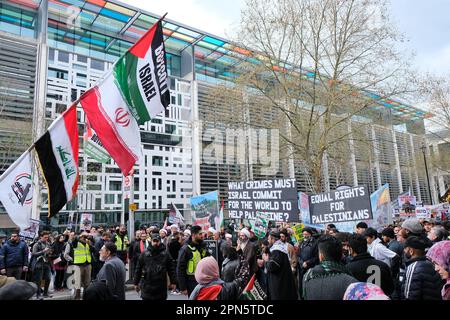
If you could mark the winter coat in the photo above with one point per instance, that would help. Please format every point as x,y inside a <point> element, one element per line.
<point>249,254</point>
<point>184,256</point>
<point>14,254</point>
<point>281,285</point>
<point>230,269</point>
<point>135,250</point>
<point>38,256</point>
<point>153,267</point>
<point>58,252</point>
<point>308,252</point>
<point>380,252</point>
<point>326,281</point>
<point>216,290</point>
<point>396,246</point>
<point>359,268</point>
<point>422,282</point>
<point>174,247</point>
<point>114,274</point>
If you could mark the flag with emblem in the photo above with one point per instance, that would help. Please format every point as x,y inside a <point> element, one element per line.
<point>133,92</point>
<point>57,152</point>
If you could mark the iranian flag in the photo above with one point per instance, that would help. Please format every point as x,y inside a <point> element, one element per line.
<point>57,152</point>
<point>134,91</point>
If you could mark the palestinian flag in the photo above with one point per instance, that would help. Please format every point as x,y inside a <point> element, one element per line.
<point>57,152</point>
<point>253,291</point>
<point>133,92</point>
<point>141,76</point>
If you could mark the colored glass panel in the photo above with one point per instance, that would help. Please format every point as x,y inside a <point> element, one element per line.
<point>214,41</point>
<point>117,8</point>
<point>115,15</point>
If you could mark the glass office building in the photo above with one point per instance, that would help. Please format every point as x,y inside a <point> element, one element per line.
<point>52,51</point>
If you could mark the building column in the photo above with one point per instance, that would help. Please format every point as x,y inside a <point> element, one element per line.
<point>351,144</point>
<point>415,175</point>
<point>397,161</point>
<point>376,152</point>
<point>39,104</point>
<point>196,139</point>
<point>432,182</point>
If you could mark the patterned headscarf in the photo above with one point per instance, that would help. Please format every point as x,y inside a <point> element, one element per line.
<point>364,291</point>
<point>207,270</point>
<point>440,254</point>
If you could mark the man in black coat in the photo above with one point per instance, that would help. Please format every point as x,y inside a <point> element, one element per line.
<point>366,268</point>
<point>152,269</point>
<point>281,285</point>
<point>422,282</point>
<point>307,255</point>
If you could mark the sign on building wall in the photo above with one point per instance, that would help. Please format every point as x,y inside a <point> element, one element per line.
<point>277,198</point>
<point>351,204</point>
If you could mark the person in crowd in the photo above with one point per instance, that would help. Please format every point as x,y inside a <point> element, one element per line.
<point>41,264</point>
<point>110,281</point>
<point>163,236</point>
<point>396,230</point>
<point>121,241</point>
<point>285,238</point>
<point>391,242</point>
<point>153,267</point>
<point>427,226</point>
<point>329,280</point>
<point>261,273</point>
<point>186,235</point>
<point>333,231</point>
<point>378,250</point>
<point>231,264</point>
<point>307,255</point>
<point>281,284</point>
<point>228,239</point>
<point>364,266</point>
<point>343,238</point>
<point>97,262</point>
<point>14,257</point>
<point>211,287</point>
<point>439,255</point>
<point>364,291</point>
<point>139,246</point>
<point>58,261</point>
<point>173,248</point>
<point>422,282</point>
<point>361,227</point>
<point>188,258</point>
<point>329,227</point>
<point>437,233</point>
<point>247,249</point>
<point>82,259</point>
<point>131,254</point>
<point>220,242</point>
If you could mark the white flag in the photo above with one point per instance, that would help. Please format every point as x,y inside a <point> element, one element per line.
<point>16,191</point>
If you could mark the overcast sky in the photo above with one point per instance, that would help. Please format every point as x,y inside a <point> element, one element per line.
<point>425,23</point>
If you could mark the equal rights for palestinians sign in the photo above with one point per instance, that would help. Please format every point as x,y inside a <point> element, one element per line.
<point>277,198</point>
<point>352,204</point>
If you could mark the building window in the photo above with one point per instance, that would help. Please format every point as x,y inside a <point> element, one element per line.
<point>115,185</point>
<point>56,73</point>
<point>157,161</point>
<point>97,64</point>
<point>63,56</point>
<point>109,199</point>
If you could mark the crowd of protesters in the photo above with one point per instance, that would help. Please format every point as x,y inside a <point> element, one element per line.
<point>405,261</point>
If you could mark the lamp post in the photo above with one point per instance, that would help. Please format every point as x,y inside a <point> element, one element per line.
<point>426,171</point>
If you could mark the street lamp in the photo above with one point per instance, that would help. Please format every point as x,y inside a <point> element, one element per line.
<point>426,170</point>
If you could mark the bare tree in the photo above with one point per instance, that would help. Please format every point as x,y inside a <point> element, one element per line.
<point>318,64</point>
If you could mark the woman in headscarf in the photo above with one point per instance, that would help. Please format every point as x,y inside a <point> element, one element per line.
<point>211,287</point>
<point>364,291</point>
<point>439,254</point>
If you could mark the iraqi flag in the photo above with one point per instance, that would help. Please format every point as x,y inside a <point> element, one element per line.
<point>57,152</point>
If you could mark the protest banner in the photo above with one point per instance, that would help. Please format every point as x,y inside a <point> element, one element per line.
<point>86,221</point>
<point>351,204</point>
<point>407,204</point>
<point>31,231</point>
<point>277,198</point>
<point>205,210</point>
<point>212,247</point>
<point>423,213</point>
<point>298,229</point>
<point>260,224</point>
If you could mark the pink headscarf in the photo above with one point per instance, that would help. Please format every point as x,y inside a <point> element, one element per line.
<point>207,270</point>
<point>440,254</point>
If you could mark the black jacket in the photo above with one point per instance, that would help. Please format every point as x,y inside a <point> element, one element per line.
<point>421,282</point>
<point>360,269</point>
<point>184,256</point>
<point>281,285</point>
<point>309,253</point>
<point>249,253</point>
<point>230,269</point>
<point>154,265</point>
